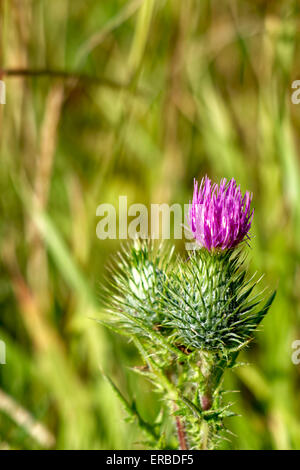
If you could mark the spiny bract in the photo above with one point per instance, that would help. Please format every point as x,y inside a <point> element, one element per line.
<point>209,302</point>
<point>138,278</point>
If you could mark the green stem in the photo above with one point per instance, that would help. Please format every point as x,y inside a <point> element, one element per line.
<point>205,435</point>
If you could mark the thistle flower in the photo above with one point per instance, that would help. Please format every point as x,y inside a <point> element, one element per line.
<point>190,318</point>
<point>219,216</point>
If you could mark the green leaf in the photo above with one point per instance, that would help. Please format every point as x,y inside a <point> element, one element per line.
<point>132,410</point>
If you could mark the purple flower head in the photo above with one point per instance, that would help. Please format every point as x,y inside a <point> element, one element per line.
<point>219,216</point>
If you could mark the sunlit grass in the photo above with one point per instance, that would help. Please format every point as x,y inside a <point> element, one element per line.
<point>187,88</point>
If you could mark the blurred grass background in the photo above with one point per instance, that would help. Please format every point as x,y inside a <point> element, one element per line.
<point>108,98</point>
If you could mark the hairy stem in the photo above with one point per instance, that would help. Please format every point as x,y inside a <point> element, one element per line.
<point>181,434</point>
<point>205,436</point>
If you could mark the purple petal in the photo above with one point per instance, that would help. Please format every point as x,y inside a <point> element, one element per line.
<point>219,216</point>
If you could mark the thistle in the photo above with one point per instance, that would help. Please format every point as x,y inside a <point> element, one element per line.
<point>219,217</point>
<point>189,318</point>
